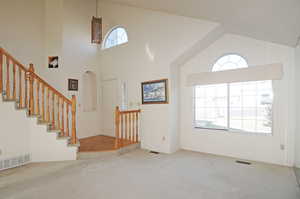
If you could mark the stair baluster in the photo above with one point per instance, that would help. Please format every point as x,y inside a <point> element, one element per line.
<point>74,141</point>
<point>62,117</point>
<point>26,89</point>
<point>31,91</point>
<point>130,130</point>
<point>58,115</point>
<point>48,105</point>
<point>67,120</point>
<point>37,97</point>
<point>126,127</point>
<point>20,88</point>
<point>7,78</point>
<point>53,110</point>
<point>122,136</point>
<point>43,102</point>
<point>133,127</point>
<point>137,127</point>
<point>14,82</point>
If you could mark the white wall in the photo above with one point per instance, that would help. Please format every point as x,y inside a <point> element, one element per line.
<point>297,137</point>
<point>89,97</point>
<point>79,56</point>
<point>32,30</point>
<point>155,40</point>
<point>202,43</point>
<point>246,146</point>
<point>29,138</point>
<point>22,30</point>
<point>68,26</point>
<point>53,26</point>
<point>14,139</point>
<point>45,146</point>
<point>21,34</point>
<point>62,27</point>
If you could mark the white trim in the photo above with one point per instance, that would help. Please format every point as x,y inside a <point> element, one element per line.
<point>228,129</point>
<point>253,73</point>
<point>225,55</point>
<point>110,31</point>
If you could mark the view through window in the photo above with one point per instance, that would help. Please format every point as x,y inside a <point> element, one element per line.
<point>242,107</point>
<point>116,37</point>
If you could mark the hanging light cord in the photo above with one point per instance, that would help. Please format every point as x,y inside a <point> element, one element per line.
<point>96,8</point>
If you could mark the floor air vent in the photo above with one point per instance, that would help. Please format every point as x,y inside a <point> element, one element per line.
<point>14,162</point>
<point>154,152</point>
<point>243,162</point>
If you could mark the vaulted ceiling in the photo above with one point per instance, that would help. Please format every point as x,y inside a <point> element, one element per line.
<point>270,20</point>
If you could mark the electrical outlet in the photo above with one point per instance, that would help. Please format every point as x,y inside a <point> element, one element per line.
<point>282,147</point>
<point>163,138</point>
<point>0,152</point>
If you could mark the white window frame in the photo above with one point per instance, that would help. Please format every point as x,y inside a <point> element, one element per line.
<point>108,34</point>
<point>124,96</point>
<point>228,129</point>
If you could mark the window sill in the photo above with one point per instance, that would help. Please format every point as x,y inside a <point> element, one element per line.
<point>230,131</point>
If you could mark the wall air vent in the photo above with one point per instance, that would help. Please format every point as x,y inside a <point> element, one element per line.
<point>14,162</point>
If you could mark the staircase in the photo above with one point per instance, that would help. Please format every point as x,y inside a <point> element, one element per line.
<point>51,116</point>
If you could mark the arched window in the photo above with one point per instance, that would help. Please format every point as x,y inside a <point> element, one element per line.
<point>115,37</point>
<point>242,106</point>
<point>229,62</point>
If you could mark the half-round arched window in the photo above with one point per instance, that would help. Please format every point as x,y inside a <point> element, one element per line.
<point>229,62</point>
<point>115,37</point>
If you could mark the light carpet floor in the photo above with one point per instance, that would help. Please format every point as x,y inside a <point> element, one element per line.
<point>141,175</point>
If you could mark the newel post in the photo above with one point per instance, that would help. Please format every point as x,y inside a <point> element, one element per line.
<point>73,139</point>
<point>117,126</point>
<point>31,96</point>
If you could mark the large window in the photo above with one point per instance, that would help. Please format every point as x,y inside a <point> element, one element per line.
<point>116,37</point>
<point>241,107</point>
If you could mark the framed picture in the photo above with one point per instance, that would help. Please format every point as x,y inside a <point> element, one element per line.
<point>73,84</point>
<point>155,92</point>
<point>53,62</point>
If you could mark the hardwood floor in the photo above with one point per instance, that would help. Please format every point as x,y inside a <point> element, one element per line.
<point>98,143</point>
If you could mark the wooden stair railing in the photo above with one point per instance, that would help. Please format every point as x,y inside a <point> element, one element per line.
<point>126,127</point>
<point>34,95</point>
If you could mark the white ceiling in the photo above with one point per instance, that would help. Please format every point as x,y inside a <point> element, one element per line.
<point>270,20</point>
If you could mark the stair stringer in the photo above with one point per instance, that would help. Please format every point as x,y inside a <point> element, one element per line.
<point>42,144</point>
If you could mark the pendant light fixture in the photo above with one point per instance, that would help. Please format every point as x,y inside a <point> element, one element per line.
<point>96,27</point>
